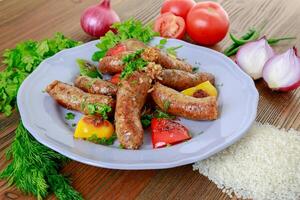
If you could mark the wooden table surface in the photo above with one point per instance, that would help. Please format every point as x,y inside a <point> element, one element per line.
<point>38,19</point>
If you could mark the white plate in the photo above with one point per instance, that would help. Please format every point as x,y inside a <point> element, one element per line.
<point>44,118</point>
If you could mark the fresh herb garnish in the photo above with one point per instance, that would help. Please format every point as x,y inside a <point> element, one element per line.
<point>70,116</point>
<point>35,168</point>
<point>102,141</point>
<point>146,120</point>
<point>162,43</point>
<point>98,108</point>
<point>161,114</point>
<point>74,124</point>
<point>195,69</point>
<point>21,61</point>
<point>171,51</point>
<point>124,30</point>
<point>87,68</point>
<point>166,105</point>
<point>132,63</point>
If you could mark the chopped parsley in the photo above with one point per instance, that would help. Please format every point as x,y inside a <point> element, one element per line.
<point>87,68</point>
<point>195,69</point>
<point>70,116</point>
<point>74,124</point>
<point>102,141</point>
<point>98,108</point>
<point>162,43</point>
<point>132,63</point>
<point>171,51</point>
<point>124,30</point>
<point>146,120</point>
<point>166,105</point>
<point>161,114</point>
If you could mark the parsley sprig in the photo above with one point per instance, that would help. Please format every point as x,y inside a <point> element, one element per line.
<point>102,141</point>
<point>125,30</point>
<point>132,63</point>
<point>21,61</point>
<point>98,108</point>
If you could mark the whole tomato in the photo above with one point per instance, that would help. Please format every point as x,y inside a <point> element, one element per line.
<point>177,7</point>
<point>207,23</point>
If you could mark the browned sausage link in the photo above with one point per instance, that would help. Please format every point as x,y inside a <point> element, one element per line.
<point>95,86</point>
<point>133,45</point>
<point>112,64</point>
<point>181,80</point>
<point>74,98</point>
<point>153,54</point>
<point>131,97</point>
<point>183,105</point>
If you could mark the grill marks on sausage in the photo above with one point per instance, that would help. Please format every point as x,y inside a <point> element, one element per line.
<point>74,98</point>
<point>95,86</point>
<point>185,106</point>
<point>131,97</point>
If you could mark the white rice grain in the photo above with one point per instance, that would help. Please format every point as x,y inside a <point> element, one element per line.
<point>263,165</point>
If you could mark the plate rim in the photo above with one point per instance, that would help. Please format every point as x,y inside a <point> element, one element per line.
<point>141,166</point>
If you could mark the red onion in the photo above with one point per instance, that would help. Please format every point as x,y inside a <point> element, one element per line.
<point>252,56</point>
<point>282,72</point>
<point>96,20</point>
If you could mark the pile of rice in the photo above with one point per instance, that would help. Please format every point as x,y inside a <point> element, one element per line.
<point>265,164</point>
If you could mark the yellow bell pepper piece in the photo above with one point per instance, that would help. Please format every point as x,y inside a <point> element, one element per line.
<point>91,125</point>
<point>205,86</point>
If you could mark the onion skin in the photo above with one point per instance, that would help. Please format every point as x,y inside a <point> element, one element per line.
<point>282,72</point>
<point>96,20</point>
<point>252,56</point>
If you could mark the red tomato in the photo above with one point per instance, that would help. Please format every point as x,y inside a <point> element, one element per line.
<point>177,7</point>
<point>170,26</point>
<point>115,79</point>
<point>166,132</point>
<point>116,50</point>
<point>207,23</point>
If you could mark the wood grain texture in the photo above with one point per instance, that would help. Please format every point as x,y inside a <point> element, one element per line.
<point>37,19</point>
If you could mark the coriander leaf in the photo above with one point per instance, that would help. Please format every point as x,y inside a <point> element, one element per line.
<point>98,108</point>
<point>124,30</point>
<point>70,116</point>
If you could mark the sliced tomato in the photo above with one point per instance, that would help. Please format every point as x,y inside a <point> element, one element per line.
<point>116,50</point>
<point>115,79</point>
<point>177,7</point>
<point>167,132</point>
<point>170,26</point>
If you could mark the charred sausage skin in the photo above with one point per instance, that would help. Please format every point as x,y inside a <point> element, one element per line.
<point>153,54</point>
<point>181,80</point>
<point>95,86</point>
<point>185,106</point>
<point>131,97</point>
<point>74,98</point>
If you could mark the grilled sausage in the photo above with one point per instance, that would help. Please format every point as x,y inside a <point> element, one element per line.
<point>153,54</point>
<point>95,86</point>
<point>112,64</point>
<point>185,106</point>
<point>181,80</point>
<point>133,45</point>
<point>74,98</point>
<point>131,97</point>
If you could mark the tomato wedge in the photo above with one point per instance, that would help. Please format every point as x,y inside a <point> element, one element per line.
<point>170,26</point>
<point>167,132</point>
<point>116,50</point>
<point>115,79</point>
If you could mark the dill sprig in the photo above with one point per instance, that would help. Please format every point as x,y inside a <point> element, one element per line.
<point>34,168</point>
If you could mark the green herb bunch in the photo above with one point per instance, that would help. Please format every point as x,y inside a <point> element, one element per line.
<point>124,30</point>
<point>21,61</point>
<point>34,168</point>
<point>133,62</point>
